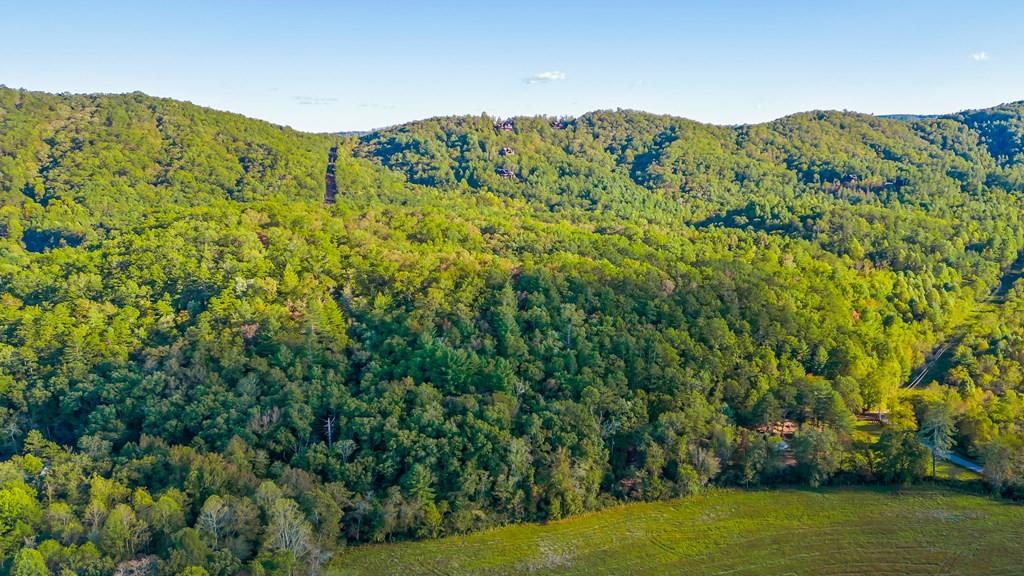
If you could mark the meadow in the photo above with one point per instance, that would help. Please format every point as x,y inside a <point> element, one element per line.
<point>835,531</point>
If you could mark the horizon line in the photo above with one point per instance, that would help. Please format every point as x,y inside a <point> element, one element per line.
<point>890,115</point>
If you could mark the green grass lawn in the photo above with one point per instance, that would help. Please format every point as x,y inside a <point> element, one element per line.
<point>867,431</point>
<point>948,471</point>
<point>841,531</point>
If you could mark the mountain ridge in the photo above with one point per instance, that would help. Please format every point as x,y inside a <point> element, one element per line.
<point>897,116</point>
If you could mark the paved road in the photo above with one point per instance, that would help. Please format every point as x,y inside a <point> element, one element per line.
<point>958,460</point>
<point>962,462</point>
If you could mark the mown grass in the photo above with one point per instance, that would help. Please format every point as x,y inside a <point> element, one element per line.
<point>837,531</point>
<point>945,470</point>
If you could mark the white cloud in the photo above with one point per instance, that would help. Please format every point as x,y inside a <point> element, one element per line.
<point>545,77</point>
<point>315,100</point>
<point>981,56</point>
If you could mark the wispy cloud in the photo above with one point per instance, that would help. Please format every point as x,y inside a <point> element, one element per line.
<point>981,56</point>
<point>545,77</point>
<point>315,100</point>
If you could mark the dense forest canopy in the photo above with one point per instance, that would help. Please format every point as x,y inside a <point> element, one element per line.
<point>205,367</point>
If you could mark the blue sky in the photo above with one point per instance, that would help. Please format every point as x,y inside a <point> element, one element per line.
<point>329,66</point>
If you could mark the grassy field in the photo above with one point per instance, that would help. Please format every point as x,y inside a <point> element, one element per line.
<point>848,531</point>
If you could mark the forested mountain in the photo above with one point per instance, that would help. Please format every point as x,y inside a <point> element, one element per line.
<point>205,367</point>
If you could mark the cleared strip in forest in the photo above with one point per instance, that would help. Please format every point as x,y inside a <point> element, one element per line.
<point>937,363</point>
<point>331,191</point>
<point>934,366</point>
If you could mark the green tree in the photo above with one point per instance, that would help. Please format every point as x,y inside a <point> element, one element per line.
<point>213,519</point>
<point>818,454</point>
<point>288,530</point>
<point>937,429</point>
<point>29,562</point>
<point>123,532</point>
<point>901,457</point>
<point>20,515</point>
<point>1004,462</point>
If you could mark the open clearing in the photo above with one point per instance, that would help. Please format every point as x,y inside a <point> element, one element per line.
<point>836,531</point>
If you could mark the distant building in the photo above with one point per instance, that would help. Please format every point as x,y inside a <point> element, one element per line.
<point>783,428</point>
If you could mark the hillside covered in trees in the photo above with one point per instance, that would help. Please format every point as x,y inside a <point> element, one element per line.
<point>206,368</point>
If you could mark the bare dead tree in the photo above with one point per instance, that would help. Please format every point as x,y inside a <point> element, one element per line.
<point>329,429</point>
